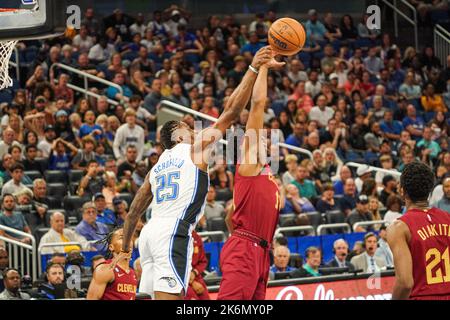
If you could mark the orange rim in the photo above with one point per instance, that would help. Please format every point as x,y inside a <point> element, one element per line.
<point>9,10</point>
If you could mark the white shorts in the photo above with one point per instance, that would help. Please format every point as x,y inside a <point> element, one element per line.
<point>165,248</point>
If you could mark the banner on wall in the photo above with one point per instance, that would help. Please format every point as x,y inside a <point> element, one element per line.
<point>373,288</point>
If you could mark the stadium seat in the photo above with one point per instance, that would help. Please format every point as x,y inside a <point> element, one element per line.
<point>33,174</point>
<point>295,260</point>
<point>54,203</point>
<point>335,216</point>
<point>216,224</point>
<point>223,194</point>
<point>6,96</point>
<point>315,218</point>
<point>57,190</point>
<point>128,197</point>
<point>73,203</point>
<point>285,219</point>
<point>55,176</point>
<point>43,162</point>
<point>75,175</point>
<point>438,16</point>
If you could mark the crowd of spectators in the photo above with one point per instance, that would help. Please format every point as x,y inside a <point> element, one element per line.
<point>70,164</point>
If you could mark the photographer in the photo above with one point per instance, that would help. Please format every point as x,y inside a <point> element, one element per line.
<point>92,182</point>
<point>55,286</point>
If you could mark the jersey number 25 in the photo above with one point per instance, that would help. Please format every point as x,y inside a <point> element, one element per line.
<point>167,187</point>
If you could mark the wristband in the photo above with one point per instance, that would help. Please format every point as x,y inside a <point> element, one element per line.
<point>253,69</point>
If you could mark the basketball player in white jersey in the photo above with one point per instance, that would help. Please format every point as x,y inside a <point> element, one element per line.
<point>178,185</point>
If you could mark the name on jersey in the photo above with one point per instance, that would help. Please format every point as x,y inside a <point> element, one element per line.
<point>126,288</point>
<point>172,162</point>
<point>434,230</point>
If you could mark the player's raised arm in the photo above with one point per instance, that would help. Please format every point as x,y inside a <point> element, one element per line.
<point>255,123</point>
<point>140,203</point>
<point>397,238</point>
<point>241,95</point>
<point>103,275</point>
<point>233,108</point>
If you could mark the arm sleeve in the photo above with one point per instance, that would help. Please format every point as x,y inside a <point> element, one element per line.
<point>141,143</point>
<point>116,143</point>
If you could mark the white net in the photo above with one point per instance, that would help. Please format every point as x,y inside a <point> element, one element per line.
<point>6,49</point>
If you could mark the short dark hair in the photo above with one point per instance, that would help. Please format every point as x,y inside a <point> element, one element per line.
<point>310,250</point>
<point>369,235</point>
<point>15,146</point>
<point>29,147</point>
<point>282,241</point>
<point>8,195</point>
<point>53,264</point>
<point>166,133</point>
<point>417,181</point>
<point>17,166</point>
<point>5,272</point>
<point>95,258</point>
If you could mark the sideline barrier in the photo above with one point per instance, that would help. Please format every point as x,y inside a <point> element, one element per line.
<point>338,287</point>
<point>19,252</point>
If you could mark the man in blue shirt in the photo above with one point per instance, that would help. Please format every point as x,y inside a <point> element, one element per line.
<point>104,215</point>
<point>90,228</point>
<point>90,128</point>
<point>253,45</point>
<point>281,256</point>
<point>296,138</point>
<point>114,93</point>
<point>412,123</point>
<point>338,185</point>
<point>348,201</point>
<point>314,27</point>
<point>390,127</point>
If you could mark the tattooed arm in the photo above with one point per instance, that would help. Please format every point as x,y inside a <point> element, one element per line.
<point>140,203</point>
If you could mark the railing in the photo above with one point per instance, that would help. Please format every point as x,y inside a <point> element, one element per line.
<point>53,244</point>
<point>87,76</point>
<point>323,227</point>
<point>19,252</point>
<point>213,233</point>
<point>394,173</point>
<point>212,119</point>
<point>368,223</point>
<point>441,43</point>
<point>294,228</point>
<point>397,11</point>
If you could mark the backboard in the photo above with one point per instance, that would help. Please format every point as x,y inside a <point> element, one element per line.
<point>32,19</point>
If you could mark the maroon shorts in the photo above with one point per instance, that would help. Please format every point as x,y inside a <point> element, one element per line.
<point>245,268</point>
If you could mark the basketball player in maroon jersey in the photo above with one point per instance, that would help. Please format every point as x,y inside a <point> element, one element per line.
<point>420,240</point>
<point>244,259</point>
<point>114,279</point>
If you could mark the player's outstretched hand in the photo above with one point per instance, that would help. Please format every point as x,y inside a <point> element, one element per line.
<point>262,57</point>
<point>121,256</point>
<point>273,63</point>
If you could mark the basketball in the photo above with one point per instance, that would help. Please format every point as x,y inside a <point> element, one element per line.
<point>287,36</point>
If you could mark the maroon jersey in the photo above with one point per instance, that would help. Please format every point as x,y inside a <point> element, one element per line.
<point>429,246</point>
<point>256,204</point>
<point>123,287</point>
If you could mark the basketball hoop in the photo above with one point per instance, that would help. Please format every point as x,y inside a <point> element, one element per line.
<point>6,49</point>
<point>29,20</point>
